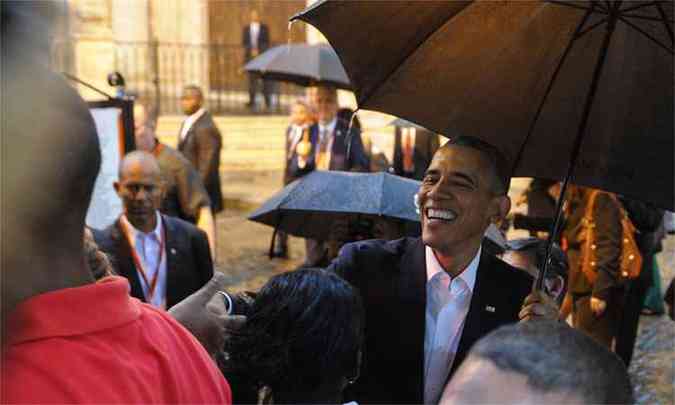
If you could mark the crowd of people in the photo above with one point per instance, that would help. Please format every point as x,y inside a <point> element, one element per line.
<point>134,313</point>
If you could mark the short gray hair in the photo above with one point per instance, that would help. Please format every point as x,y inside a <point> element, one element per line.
<point>556,358</point>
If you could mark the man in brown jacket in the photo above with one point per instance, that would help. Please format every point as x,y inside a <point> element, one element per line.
<point>596,306</point>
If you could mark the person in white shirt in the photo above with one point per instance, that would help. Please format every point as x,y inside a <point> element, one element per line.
<point>164,258</point>
<point>429,299</point>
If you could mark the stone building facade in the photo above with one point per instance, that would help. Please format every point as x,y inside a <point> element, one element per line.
<point>161,45</point>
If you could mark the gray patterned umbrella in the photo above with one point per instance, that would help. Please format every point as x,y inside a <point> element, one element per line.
<point>303,64</point>
<point>309,206</point>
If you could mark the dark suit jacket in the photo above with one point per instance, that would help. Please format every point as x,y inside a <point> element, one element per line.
<point>189,264</point>
<point>185,194</point>
<point>292,171</point>
<point>356,160</point>
<point>426,144</point>
<point>391,277</point>
<point>263,40</point>
<point>201,146</point>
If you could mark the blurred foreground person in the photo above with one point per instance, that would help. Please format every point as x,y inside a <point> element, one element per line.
<point>539,362</point>
<point>184,194</point>
<point>301,342</point>
<point>66,338</point>
<point>529,254</point>
<point>164,258</point>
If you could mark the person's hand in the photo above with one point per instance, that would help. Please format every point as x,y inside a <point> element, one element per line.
<point>538,305</point>
<point>205,316</point>
<point>598,306</point>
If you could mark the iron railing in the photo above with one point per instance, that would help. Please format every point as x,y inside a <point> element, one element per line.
<point>159,71</point>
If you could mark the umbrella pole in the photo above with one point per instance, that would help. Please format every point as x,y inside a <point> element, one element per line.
<point>613,14</point>
<point>274,238</point>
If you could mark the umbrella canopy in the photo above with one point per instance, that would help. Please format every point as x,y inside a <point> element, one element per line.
<point>400,122</point>
<point>547,82</point>
<point>308,206</point>
<point>306,65</point>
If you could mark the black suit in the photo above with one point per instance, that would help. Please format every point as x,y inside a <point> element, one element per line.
<point>426,145</point>
<point>391,277</point>
<point>201,146</point>
<point>188,265</point>
<point>345,156</point>
<point>263,44</point>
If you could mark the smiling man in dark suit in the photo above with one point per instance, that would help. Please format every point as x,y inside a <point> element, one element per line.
<point>164,258</point>
<point>429,299</point>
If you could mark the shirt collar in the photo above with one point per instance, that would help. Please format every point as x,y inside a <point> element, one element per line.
<point>135,232</point>
<point>330,127</point>
<point>102,305</point>
<point>195,116</point>
<point>468,275</point>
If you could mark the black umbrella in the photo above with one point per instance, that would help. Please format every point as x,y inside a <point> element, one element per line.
<point>568,89</point>
<point>309,206</point>
<point>400,122</point>
<point>547,82</point>
<point>306,65</point>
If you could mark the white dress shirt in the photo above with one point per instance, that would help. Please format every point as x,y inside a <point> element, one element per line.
<point>254,30</point>
<point>190,121</point>
<point>147,246</point>
<point>446,309</point>
<point>294,135</point>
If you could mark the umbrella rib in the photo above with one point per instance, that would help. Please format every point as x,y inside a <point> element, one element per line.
<point>649,18</point>
<point>550,87</point>
<point>564,3</point>
<point>665,22</point>
<point>641,31</point>
<point>639,6</point>
<point>591,27</point>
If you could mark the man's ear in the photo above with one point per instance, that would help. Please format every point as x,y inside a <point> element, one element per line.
<point>501,205</point>
<point>116,186</point>
<point>555,286</point>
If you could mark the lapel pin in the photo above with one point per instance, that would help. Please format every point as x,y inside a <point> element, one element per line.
<point>490,308</point>
<point>173,251</point>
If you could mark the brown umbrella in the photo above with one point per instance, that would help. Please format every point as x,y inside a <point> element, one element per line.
<point>579,90</point>
<point>527,77</point>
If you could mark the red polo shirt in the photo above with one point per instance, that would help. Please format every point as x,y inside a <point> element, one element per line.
<point>96,344</point>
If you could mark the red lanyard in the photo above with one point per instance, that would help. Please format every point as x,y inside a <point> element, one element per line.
<point>139,265</point>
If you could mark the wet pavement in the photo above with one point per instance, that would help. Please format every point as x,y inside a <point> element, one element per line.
<point>242,256</point>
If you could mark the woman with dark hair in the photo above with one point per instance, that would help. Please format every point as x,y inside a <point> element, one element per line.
<point>301,342</point>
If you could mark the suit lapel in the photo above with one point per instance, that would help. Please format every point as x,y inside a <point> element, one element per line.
<point>413,296</point>
<point>125,262</point>
<point>172,267</point>
<point>483,315</point>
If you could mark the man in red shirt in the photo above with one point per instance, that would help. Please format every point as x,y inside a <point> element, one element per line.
<point>66,338</point>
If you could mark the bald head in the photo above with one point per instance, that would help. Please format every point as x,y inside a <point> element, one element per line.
<point>140,189</point>
<point>139,161</point>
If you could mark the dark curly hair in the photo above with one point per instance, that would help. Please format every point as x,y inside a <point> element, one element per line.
<point>303,331</point>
